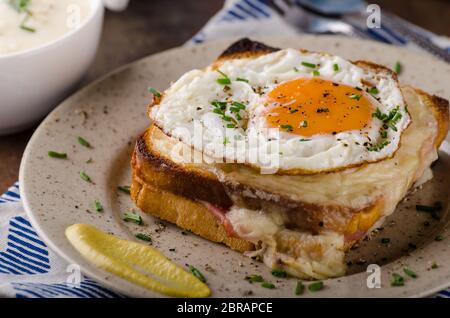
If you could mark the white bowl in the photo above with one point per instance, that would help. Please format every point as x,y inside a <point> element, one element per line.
<point>32,82</point>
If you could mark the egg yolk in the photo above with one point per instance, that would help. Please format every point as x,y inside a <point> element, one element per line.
<point>310,106</point>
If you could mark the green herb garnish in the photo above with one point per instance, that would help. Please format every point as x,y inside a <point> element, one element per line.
<point>293,111</point>
<point>268,285</point>
<point>303,139</point>
<point>426,208</point>
<point>336,67</point>
<point>316,73</point>
<point>225,80</point>
<point>238,105</point>
<point>397,67</point>
<point>98,206</point>
<point>133,218</point>
<point>20,5</point>
<point>154,92</point>
<point>304,124</point>
<point>373,91</point>
<point>310,65</point>
<point>287,127</point>
<point>379,146</point>
<point>397,280</point>
<point>279,273</point>
<point>239,79</point>
<point>84,142</point>
<point>409,272</point>
<point>316,286</point>
<point>124,189</point>
<point>355,96</point>
<point>226,140</point>
<point>322,110</point>
<point>434,265</point>
<point>85,177</point>
<point>254,278</point>
<point>299,288</point>
<point>59,155</point>
<point>143,237</point>
<point>197,273</point>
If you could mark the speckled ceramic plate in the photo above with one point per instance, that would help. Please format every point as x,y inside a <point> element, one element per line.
<point>111,113</point>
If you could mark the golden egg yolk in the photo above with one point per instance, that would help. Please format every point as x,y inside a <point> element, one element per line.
<point>310,106</point>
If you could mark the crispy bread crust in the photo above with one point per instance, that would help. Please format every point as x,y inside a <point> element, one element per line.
<point>196,184</point>
<point>185,213</point>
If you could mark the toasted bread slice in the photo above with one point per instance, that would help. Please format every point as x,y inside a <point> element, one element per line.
<point>347,202</point>
<point>167,186</point>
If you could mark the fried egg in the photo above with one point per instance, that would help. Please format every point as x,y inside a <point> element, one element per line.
<point>296,111</point>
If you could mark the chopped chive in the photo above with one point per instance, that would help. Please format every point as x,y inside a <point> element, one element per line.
<point>268,285</point>
<point>316,73</point>
<point>133,218</point>
<point>373,91</point>
<point>434,265</point>
<point>226,140</point>
<point>85,177</point>
<point>310,65</point>
<point>397,280</point>
<point>335,67</point>
<point>239,79</point>
<point>231,126</point>
<point>279,273</point>
<point>59,155</point>
<point>397,67</point>
<point>303,139</point>
<point>28,29</point>
<point>124,189</point>
<point>383,134</point>
<point>355,96</point>
<point>25,19</point>
<point>223,81</point>
<point>218,111</point>
<point>84,142</point>
<point>385,240</point>
<point>154,92</point>
<point>299,288</point>
<point>425,208</point>
<point>254,278</point>
<point>239,105</point>
<point>322,110</point>
<point>293,111</point>
<point>287,127</point>
<point>439,238</point>
<point>143,237</point>
<point>409,272</point>
<point>238,116</point>
<point>316,286</point>
<point>197,273</point>
<point>98,206</point>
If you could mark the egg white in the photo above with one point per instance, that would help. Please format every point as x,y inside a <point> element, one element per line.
<point>185,112</point>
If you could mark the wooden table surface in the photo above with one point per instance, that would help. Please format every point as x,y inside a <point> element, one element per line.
<point>147,27</point>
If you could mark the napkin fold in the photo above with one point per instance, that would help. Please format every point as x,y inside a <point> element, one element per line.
<point>29,268</point>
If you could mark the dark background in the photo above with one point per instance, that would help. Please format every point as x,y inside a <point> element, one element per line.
<point>147,27</point>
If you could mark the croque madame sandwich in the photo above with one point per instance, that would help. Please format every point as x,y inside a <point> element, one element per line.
<point>288,155</point>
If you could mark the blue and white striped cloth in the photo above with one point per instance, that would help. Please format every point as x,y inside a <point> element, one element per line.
<point>28,268</point>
